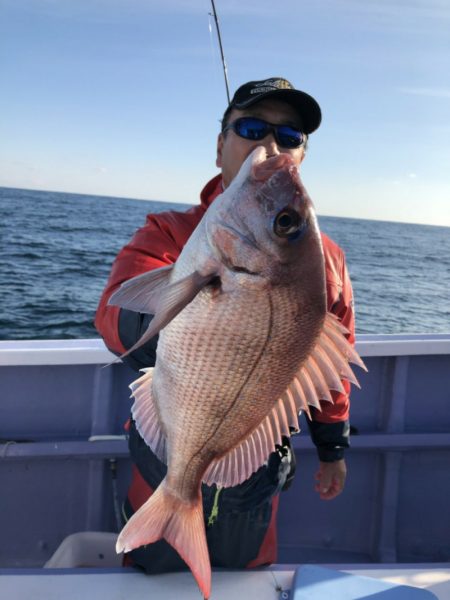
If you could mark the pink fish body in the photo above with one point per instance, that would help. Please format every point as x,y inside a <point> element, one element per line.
<point>245,344</point>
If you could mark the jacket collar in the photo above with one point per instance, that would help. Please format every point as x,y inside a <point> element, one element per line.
<point>211,190</point>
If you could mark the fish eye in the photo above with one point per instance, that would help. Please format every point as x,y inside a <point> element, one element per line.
<point>287,223</point>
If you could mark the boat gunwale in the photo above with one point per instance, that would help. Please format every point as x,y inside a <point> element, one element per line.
<point>93,350</point>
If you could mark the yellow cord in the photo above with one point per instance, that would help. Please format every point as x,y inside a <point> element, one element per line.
<point>215,509</point>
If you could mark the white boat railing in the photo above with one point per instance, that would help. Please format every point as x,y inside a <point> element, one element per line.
<point>94,351</point>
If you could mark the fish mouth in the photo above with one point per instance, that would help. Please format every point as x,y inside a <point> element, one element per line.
<point>237,269</point>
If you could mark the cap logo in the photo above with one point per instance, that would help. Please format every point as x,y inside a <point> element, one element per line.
<point>271,84</point>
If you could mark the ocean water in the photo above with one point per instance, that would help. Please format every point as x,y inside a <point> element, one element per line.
<point>57,250</point>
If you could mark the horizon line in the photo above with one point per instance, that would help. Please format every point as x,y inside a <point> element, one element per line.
<point>187,204</point>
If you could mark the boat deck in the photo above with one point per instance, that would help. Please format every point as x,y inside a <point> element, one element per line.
<point>266,584</point>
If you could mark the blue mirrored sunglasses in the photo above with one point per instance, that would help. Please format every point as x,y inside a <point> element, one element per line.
<point>251,128</point>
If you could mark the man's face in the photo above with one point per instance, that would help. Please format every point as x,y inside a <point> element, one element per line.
<point>232,150</point>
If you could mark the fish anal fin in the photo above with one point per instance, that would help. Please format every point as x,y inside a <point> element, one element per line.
<point>180,523</point>
<point>145,414</point>
<point>239,463</point>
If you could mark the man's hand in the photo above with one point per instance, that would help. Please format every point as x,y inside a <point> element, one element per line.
<point>330,479</point>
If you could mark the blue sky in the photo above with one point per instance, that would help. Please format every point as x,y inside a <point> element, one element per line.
<point>124,97</point>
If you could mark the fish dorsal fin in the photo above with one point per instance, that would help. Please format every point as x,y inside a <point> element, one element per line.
<point>154,292</point>
<point>146,416</point>
<point>321,372</point>
<point>326,367</point>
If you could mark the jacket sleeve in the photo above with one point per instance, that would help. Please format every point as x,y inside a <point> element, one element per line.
<point>329,428</point>
<point>151,247</point>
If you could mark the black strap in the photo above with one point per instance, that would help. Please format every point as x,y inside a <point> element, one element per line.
<point>331,439</point>
<point>132,326</point>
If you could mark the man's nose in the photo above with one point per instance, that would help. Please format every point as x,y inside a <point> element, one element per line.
<point>271,146</point>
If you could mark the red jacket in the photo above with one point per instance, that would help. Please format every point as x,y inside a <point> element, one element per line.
<point>160,241</point>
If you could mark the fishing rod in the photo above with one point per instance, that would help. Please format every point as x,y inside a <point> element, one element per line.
<point>224,65</point>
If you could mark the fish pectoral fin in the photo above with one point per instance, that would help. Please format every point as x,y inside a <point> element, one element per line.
<point>170,299</point>
<point>178,295</point>
<point>180,523</point>
<point>143,292</point>
<point>146,415</point>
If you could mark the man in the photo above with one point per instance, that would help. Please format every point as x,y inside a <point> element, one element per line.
<point>240,521</point>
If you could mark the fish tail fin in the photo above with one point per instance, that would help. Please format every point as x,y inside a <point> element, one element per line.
<point>181,524</point>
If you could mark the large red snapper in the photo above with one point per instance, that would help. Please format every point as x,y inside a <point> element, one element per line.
<point>245,344</point>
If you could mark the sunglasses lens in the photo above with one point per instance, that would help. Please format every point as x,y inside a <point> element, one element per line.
<point>251,129</point>
<point>288,137</point>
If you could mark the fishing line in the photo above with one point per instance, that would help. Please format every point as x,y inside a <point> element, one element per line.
<point>278,587</point>
<point>215,64</point>
<point>222,56</point>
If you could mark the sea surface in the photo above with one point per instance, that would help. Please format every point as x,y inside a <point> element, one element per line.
<point>57,250</point>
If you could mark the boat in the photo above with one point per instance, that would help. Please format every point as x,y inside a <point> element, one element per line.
<point>65,468</point>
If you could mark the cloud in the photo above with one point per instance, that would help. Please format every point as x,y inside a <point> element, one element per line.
<point>398,9</point>
<point>424,91</point>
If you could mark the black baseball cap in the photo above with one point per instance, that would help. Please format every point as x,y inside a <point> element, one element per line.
<point>276,87</point>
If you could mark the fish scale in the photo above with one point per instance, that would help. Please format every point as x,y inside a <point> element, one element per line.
<point>228,371</point>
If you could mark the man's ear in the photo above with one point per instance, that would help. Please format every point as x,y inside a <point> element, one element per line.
<point>220,141</point>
